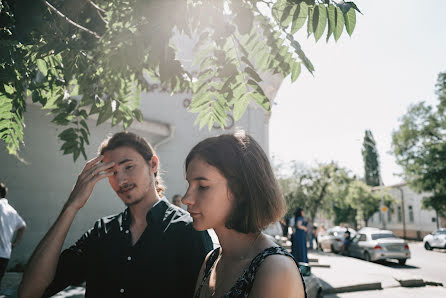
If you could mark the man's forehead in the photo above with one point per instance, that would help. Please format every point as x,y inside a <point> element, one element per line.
<point>121,154</point>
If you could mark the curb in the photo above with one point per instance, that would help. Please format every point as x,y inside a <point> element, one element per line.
<point>353,288</point>
<point>320,265</point>
<point>411,283</point>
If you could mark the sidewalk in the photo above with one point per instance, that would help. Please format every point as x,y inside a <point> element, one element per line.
<point>347,274</point>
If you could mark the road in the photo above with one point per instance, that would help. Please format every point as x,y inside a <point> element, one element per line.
<point>430,265</point>
<point>347,272</point>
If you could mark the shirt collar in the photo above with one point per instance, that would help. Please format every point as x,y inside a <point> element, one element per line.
<point>154,215</point>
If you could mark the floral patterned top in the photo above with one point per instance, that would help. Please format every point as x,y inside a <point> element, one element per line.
<point>243,286</point>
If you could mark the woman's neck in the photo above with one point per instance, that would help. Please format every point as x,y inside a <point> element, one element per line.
<point>237,245</point>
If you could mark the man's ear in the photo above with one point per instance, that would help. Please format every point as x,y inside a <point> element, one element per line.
<point>154,164</point>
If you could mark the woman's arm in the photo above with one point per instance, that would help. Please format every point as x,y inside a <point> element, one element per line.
<point>301,226</point>
<point>278,277</point>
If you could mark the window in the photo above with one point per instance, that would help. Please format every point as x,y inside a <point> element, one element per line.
<point>400,215</point>
<point>411,214</point>
<point>434,219</point>
<point>383,235</point>
<point>389,215</point>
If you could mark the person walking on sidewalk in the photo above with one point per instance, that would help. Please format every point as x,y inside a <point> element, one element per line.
<point>148,250</point>
<point>11,223</point>
<point>232,189</point>
<point>299,238</point>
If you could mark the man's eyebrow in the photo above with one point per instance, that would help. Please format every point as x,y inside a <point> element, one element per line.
<point>124,161</point>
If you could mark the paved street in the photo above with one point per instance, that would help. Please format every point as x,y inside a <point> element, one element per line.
<point>431,265</point>
<point>383,278</point>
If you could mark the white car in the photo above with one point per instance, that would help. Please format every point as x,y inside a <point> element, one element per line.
<point>435,240</point>
<point>333,239</point>
<point>374,245</point>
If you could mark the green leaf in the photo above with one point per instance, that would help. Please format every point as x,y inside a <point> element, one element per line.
<point>240,105</point>
<point>9,89</point>
<point>331,12</point>
<point>319,20</point>
<point>41,65</point>
<point>253,74</point>
<point>350,21</point>
<point>295,71</point>
<point>310,28</point>
<point>84,125</point>
<point>299,17</point>
<point>105,113</point>
<point>339,23</point>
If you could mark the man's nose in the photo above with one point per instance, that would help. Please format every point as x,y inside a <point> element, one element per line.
<point>121,179</point>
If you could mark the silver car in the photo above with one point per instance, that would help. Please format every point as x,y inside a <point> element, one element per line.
<point>374,245</point>
<point>333,238</point>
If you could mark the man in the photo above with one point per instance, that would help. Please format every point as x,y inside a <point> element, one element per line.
<point>176,200</point>
<point>149,250</point>
<point>346,243</point>
<point>10,223</point>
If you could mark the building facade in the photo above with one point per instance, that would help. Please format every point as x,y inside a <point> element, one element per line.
<point>406,217</point>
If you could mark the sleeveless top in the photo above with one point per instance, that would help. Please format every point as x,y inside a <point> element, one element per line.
<point>243,285</point>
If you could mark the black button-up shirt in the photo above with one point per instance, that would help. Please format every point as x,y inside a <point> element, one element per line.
<point>164,262</point>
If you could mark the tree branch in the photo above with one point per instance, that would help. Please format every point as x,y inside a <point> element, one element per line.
<point>70,21</point>
<point>95,6</point>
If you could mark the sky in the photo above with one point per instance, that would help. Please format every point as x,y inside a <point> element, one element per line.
<point>366,81</point>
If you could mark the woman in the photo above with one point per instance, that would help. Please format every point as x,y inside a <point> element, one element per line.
<point>299,238</point>
<point>232,189</point>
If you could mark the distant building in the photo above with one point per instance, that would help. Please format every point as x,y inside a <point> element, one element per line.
<point>406,217</point>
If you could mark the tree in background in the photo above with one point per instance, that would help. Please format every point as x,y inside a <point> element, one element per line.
<point>371,160</point>
<point>80,58</point>
<point>361,198</point>
<point>314,189</point>
<point>419,145</point>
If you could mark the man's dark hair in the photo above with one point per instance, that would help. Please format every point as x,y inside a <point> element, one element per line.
<point>139,144</point>
<point>3,190</point>
<point>240,159</point>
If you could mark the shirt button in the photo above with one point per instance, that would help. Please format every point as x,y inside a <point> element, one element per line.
<point>129,258</point>
<point>126,231</point>
<point>121,291</point>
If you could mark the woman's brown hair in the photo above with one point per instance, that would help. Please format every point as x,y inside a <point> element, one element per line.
<point>240,159</point>
<point>140,144</point>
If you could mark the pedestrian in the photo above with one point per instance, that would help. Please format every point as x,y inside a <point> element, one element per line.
<point>12,229</point>
<point>176,200</point>
<point>299,239</point>
<point>232,189</point>
<point>310,234</point>
<point>346,243</point>
<point>148,250</point>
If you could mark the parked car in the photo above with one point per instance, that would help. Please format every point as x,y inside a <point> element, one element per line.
<point>375,244</point>
<point>333,238</point>
<point>436,239</point>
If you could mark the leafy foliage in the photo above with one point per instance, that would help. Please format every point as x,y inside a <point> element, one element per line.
<point>315,189</point>
<point>79,58</point>
<point>361,198</point>
<point>371,160</point>
<point>419,145</point>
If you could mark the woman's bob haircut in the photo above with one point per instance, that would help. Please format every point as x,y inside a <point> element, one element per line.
<point>240,159</point>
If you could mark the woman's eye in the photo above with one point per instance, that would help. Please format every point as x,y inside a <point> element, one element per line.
<point>201,187</point>
<point>128,167</point>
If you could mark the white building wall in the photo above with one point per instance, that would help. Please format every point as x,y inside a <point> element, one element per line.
<point>424,221</point>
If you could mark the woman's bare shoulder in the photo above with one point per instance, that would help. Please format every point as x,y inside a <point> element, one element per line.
<point>278,276</point>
